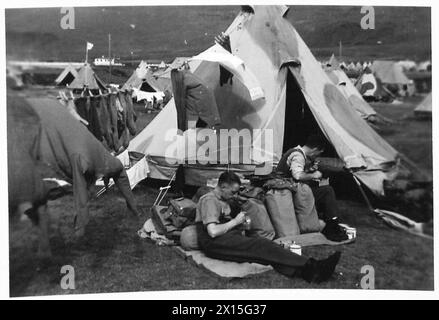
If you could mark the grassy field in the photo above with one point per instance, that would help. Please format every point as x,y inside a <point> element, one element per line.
<point>112,258</point>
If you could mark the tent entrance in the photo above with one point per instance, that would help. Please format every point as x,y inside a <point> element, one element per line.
<point>299,120</point>
<point>147,87</point>
<point>67,79</point>
<point>299,124</point>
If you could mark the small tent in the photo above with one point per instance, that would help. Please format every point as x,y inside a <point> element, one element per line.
<point>366,84</point>
<point>67,76</point>
<point>333,62</point>
<point>389,72</point>
<point>88,79</point>
<point>341,80</point>
<point>162,65</point>
<point>138,77</point>
<point>424,109</point>
<point>371,88</point>
<point>407,65</point>
<point>144,79</point>
<point>391,75</point>
<point>299,100</point>
<point>178,62</point>
<point>424,66</point>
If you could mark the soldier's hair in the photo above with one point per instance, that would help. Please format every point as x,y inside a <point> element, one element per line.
<point>229,178</point>
<point>316,141</point>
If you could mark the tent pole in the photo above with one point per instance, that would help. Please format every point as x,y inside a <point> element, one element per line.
<point>366,199</point>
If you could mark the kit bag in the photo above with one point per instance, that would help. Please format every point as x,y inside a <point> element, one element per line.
<point>280,206</point>
<point>306,212</point>
<point>260,224</point>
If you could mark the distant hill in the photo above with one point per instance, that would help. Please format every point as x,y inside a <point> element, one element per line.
<point>152,32</point>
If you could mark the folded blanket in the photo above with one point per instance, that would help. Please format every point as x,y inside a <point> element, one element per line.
<point>223,269</point>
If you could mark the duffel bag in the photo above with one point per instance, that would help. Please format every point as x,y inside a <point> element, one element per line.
<point>306,212</point>
<point>281,209</point>
<point>260,224</point>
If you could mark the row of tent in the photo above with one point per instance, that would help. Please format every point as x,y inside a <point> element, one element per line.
<point>380,80</point>
<point>384,80</point>
<point>406,65</point>
<point>371,85</point>
<point>146,77</point>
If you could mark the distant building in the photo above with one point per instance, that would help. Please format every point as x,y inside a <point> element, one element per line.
<point>106,62</point>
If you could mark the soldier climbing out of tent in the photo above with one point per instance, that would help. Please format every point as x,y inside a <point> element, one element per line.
<point>311,195</point>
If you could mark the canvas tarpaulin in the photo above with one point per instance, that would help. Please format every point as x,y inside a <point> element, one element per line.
<point>25,182</point>
<point>73,153</point>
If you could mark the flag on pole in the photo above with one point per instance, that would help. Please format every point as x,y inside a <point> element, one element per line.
<point>88,47</point>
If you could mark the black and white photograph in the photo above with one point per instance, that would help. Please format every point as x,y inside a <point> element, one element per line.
<point>161,148</point>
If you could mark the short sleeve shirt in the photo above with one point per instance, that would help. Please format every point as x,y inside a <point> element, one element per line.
<point>211,209</point>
